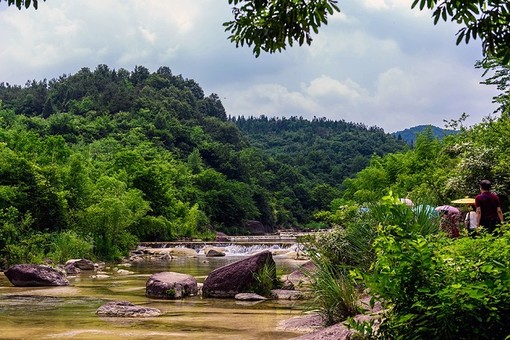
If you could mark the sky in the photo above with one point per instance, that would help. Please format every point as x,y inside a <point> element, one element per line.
<point>378,62</point>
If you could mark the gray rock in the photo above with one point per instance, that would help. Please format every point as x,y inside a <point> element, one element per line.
<point>214,253</point>
<point>249,297</point>
<point>170,285</point>
<point>33,275</point>
<point>284,294</point>
<point>237,277</point>
<point>300,278</point>
<point>83,264</point>
<point>71,269</point>
<point>126,309</point>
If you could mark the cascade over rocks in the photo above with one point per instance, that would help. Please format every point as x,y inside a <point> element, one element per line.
<point>237,277</point>
<point>33,275</point>
<point>126,309</point>
<point>170,285</point>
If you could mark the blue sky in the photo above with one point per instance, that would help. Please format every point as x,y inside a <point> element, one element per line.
<point>377,62</point>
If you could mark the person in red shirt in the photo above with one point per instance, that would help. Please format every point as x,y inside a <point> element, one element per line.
<point>488,208</point>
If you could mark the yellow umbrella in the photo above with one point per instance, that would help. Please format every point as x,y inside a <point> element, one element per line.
<point>465,200</point>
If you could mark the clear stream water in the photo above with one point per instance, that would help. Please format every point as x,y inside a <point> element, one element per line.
<point>69,312</point>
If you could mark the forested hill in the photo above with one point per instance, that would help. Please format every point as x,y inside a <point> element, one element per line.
<point>323,150</point>
<point>108,157</point>
<point>409,135</point>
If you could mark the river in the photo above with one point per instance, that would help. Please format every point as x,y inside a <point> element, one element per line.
<point>69,312</point>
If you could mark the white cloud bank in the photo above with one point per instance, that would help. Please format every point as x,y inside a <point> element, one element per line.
<point>377,62</point>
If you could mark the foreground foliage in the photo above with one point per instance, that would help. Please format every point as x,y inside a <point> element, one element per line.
<point>431,286</point>
<point>438,287</point>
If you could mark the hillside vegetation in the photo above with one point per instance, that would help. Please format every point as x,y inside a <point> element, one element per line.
<point>322,150</point>
<point>101,159</point>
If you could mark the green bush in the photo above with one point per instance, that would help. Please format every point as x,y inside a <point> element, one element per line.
<point>351,245</point>
<point>29,249</point>
<point>265,279</point>
<point>441,288</point>
<point>69,245</point>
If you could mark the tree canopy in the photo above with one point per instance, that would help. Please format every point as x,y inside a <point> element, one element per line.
<point>271,25</point>
<point>22,3</point>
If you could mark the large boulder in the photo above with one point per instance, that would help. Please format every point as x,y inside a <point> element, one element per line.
<point>33,275</point>
<point>257,228</point>
<point>214,252</point>
<point>126,309</point>
<point>170,285</point>
<point>237,277</point>
<point>82,264</point>
<point>300,278</point>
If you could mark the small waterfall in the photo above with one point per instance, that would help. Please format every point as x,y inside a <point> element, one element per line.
<point>247,250</point>
<point>282,245</point>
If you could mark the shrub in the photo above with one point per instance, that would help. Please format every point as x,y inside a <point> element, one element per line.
<point>69,245</point>
<point>442,288</point>
<point>29,249</point>
<point>265,279</point>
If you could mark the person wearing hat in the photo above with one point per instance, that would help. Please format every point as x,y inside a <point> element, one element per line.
<point>488,208</point>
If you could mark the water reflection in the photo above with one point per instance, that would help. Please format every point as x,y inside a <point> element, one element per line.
<point>69,312</point>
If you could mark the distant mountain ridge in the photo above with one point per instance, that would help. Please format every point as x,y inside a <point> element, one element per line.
<point>409,135</point>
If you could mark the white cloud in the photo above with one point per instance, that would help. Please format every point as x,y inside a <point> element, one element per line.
<point>377,62</point>
<point>325,86</point>
<point>148,35</point>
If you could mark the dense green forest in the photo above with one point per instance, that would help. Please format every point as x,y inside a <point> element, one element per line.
<point>111,157</point>
<point>321,150</point>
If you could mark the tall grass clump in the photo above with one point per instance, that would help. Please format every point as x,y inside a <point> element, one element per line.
<point>265,279</point>
<point>69,245</point>
<point>335,293</point>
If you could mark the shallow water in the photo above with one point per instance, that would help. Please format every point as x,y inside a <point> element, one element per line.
<point>69,312</point>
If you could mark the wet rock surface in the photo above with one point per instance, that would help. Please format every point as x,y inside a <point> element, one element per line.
<point>214,252</point>
<point>32,275</point>
<point>285,294</point>
<point>237,277</point>
<point>300,278</point>
<point>170,285</point>
<point>249,297</point>
<point>82,264</point>
<point>126,309</point>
